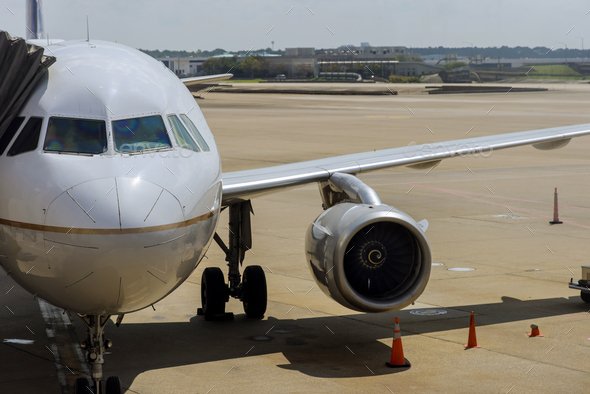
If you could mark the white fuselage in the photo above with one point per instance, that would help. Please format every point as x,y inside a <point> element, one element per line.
<point>111,232</point>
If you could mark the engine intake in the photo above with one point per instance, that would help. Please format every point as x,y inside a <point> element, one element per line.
<point>370,258</point>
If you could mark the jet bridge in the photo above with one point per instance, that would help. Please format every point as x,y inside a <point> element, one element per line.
<point>21,66</point>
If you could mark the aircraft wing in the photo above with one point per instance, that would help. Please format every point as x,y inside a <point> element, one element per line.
<point>205,79</point>
<point>244,185</point>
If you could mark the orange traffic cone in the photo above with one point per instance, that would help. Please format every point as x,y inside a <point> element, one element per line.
<point>534,331</point>
<point>555,210</point>
<point>397,351</point>
<point>472,341</point>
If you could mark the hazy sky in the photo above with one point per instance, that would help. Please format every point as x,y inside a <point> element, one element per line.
<point>232,24</point>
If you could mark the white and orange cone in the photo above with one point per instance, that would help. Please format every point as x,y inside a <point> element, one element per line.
<point>472,340</point>
<point>397,350</point>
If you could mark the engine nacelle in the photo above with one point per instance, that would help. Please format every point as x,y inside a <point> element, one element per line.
<point>370,258</point>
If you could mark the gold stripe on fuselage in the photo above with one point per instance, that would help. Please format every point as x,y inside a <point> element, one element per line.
<point>106,231</point>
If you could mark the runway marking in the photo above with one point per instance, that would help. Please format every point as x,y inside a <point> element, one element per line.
<point>497,205</point>
<point>517,199</point>
<point>64,345</point>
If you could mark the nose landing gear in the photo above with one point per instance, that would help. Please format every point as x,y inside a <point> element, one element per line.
<point>95,346</point>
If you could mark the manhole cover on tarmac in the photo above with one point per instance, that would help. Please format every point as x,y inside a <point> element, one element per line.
<point>428,312</point>
<point>437,264</point>
<point>460,269</point>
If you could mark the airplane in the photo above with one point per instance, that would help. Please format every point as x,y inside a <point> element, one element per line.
<point>112,190</point>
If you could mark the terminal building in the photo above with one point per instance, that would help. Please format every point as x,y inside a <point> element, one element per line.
<point>390,59</point>
<point>307,62</point>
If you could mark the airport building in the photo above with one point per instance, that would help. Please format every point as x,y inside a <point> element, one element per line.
<point>299,61</point>
<point>306,62</point>
<point>184,66</point>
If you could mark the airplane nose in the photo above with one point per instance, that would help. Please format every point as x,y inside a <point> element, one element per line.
<point>108,239</point>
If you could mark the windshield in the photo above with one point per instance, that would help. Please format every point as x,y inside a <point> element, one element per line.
<point>76,136</point>
<point>139,134</point>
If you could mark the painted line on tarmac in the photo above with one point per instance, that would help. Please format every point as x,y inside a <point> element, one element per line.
<point>497,205</point>
<point>514,199</point>
<point>69,360</point>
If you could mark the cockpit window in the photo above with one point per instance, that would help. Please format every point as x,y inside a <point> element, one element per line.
<point>70,135</point>
<point>183,138</point>
<point>28,139</point>
<point>10,132</point>
<point>195,132</point>
<point>140,134</point>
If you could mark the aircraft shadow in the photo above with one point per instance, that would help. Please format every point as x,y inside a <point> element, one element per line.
<point>322,347</point>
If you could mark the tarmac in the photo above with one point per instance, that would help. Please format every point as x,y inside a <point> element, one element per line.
<point>490,215</point>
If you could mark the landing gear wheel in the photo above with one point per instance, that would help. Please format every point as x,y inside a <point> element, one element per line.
<point>213,293</point>
<point>585,297</point>
<point>254,282</point>
<point>82,386</point>
<point>113,385</point>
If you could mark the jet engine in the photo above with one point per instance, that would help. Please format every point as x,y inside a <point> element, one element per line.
<point>367,256</point>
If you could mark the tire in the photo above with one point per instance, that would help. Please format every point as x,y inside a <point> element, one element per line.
<point>585,297</point>
<point>213,292</point>
<point>113,385</point>
<point>254,284</point>
<point>82,386</point>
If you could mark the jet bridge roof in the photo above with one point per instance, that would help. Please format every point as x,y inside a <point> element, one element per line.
<point>21,66</point>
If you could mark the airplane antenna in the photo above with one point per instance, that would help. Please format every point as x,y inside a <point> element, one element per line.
<point>87,30</point>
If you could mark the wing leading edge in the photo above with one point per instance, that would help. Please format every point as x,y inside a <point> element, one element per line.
<point>244,185</point>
